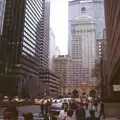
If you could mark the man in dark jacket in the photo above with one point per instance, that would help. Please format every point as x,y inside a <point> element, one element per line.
<point>80,112</point>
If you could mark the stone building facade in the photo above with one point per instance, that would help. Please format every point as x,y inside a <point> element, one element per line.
<point>112,79</point>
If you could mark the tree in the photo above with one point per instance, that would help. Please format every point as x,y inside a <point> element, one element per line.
<point>92,93</point>
<point>75,93</point>
<point>83,93</point>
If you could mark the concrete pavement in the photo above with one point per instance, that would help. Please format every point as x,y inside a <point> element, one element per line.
<point>111,118</point>
<point>34,109</point>
<point>36,112</point>
<point>25,109</point>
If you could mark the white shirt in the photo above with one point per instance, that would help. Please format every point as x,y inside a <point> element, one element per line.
<point>87,113</point>
<point>62,115</point>
<point>69,118</point>
<point>97,112</point>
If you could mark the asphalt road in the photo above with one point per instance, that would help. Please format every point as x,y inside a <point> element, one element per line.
<point>34,109</point>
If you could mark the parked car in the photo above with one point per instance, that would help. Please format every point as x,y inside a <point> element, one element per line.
<point>5,99</point>
<point>16,99</point>
<point>57,105</point>
<point>37,101</point>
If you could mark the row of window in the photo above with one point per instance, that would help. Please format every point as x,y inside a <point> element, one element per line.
<point>34,9</point>
<point>33,15</point>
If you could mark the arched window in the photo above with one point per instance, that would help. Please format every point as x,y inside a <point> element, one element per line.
<point>83,10</point>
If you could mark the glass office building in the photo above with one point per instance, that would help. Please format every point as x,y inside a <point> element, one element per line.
<point>21,47</point>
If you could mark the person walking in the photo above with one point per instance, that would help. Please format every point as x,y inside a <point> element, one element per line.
<point>80,112</point>
<point>63,113</point>
<point>102,109</point>
<point>42,107</point>
<point>70,115</point>
<point>99,109</point>
<point>91,108</point>
<point>87,112</point>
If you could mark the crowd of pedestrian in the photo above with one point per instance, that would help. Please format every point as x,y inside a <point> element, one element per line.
<point>91,110</point>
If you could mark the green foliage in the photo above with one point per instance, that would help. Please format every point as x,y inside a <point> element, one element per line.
<point>92,93</point>
<point>75,94</point>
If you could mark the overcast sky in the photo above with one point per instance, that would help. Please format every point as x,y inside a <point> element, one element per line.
<point>59,23</point>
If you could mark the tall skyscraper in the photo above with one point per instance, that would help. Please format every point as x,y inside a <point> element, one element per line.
<point>52,51</point>
<point>24,47</point>
<point>83,50</point>
<point>50,83</point>
<point>92,8</point>
<point>86,25</point>
<point>62,69</point>
<point>2,10</point>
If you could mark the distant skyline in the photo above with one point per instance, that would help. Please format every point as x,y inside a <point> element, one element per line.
<point>59,23</point>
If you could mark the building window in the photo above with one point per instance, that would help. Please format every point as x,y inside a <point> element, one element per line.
<point>83,10</point>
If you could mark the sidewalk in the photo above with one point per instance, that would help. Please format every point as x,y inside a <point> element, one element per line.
<point>111,118</point>
<point>36,116</point>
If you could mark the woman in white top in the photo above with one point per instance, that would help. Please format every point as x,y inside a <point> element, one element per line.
<point>63,113</point>
<point>87,112</point>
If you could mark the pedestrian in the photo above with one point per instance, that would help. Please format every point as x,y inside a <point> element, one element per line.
<point>74,108</point>
<point>63,113</point>
<point>97,110</point>
<point>28,116</point>
<point>80,112</point>
<point>87,112</point>
<point>10,113</point>
<point>49,103</point>
<point>50,116</point>
<point>102,109</point>
<point>91,108</point>
<point>42,107</point>
<point>45,107</point>
<point>70,112</point>
<point>70,115</point>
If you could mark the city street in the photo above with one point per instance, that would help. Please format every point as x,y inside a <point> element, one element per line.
<point>34,109</point>
<point>112,118</point>
<point>36,113</point>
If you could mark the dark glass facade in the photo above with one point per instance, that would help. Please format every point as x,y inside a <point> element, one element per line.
<point>23,47</point>
<point>10,47</point>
